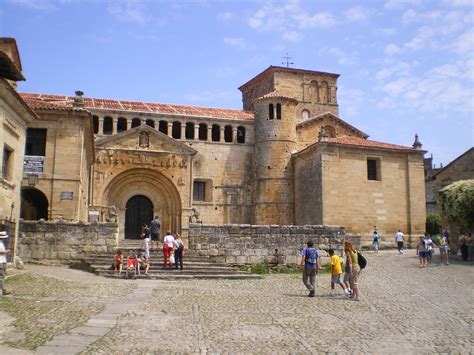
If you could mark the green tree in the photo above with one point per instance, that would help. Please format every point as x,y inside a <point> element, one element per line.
<point>457,203</point>
<point>433,224</point>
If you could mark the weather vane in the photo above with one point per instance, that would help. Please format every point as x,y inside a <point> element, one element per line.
<point>287,59</point>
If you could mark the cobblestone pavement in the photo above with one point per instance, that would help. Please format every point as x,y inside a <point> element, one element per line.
<point>404,309</point>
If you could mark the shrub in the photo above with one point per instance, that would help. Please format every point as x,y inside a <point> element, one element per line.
<point>433,224</point>
<point>457,203</point>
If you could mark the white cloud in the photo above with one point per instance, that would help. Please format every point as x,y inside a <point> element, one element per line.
<point>319,19</point>
<point>359,13</point>
<point>39,5</point>
<point>422,39</point>
<point>209,97</point>
<point>237,42</point>
<point>129,11</point>
<point>392,49</point>
<point>387,31</point>
<point>400,69</point>
<point>352,100</point>
<point>225,16</point>
<point>341,56</point>
<point>399,4</point>
<point>292,36</point>
<point>458,3</point>
<point>464,44</point>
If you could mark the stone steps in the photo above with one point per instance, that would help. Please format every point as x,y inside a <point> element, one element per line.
<point>194,267</point>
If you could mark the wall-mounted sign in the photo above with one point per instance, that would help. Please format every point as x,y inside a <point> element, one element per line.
<point>94,216</point>
<point>33,164</point>
<point>66,195</point>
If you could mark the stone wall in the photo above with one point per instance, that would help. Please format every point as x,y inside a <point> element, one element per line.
<point>63,242</point>
<point>240,244</point>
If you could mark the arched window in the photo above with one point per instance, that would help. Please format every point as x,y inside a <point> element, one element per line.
<point>176,131</point>
<point>305,114</point>
<point>324,92</point>
<point>163,127</point>
<point>107,129</point>
<point>136,122</point>
<point>228,134</point>
<point>189,130</point>
<point>240,134</point>
<point>121,124</point>
<point>314,91</point>
<point>330,131</point>
<point>203,132</point>
<point>95,123</point>
<point>271,113</point>
<point>150,123</point>
<point>216,133</point>
<point>278,111</point>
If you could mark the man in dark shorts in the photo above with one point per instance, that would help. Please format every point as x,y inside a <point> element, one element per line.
<point>155,226</point>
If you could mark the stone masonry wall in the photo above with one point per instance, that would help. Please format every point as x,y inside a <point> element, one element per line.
<point>240,244</point>
<point>63,242</point>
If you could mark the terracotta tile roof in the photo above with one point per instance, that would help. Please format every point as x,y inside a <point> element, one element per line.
<point>63,102</point>
<point>8,69</point>
<point>275,94</point>
<point>365,143</point>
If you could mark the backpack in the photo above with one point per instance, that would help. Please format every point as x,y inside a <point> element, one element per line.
<point>362,261</point>
<point>311,256</point>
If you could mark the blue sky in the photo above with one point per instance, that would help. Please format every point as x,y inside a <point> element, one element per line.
<point>406,66</point>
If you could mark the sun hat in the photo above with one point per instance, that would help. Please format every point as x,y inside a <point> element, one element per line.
<point>3,235</point>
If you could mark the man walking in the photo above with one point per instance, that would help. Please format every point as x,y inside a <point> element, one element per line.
<point>310,261</point>
<point>155,226</point>
<point>400,239</point>
<point>3,263</point>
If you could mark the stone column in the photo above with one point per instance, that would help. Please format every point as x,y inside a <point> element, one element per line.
<point>157,125</point>
<point>114,125</point>
<point>234,134</point>
<point>222,133</point>
<point>209,133</point>
<point>129,124</point>
<point>183,130</point>
<point>101,126</point>
<point>170,129</point>
<point>196,132</point>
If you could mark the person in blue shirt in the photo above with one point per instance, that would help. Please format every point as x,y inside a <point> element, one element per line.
<point>376,241</point>
<point>310,262</point>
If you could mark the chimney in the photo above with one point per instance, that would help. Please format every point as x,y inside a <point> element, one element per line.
<point>417,144</point>
<point>78,100</point>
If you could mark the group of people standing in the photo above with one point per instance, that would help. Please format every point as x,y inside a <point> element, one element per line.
<point>173,250</point>
<point>310,261</point>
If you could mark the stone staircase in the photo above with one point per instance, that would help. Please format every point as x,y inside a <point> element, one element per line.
<point>194,266</point>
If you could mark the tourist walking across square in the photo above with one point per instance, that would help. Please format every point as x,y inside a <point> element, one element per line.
<point>443,244</point>
<point>354,269</point>
<point>421,251</point>
<point>400,239</point>
<point>155,226</point>
<point>310,263</point>
<point>178,251</point>
<point>336,272</point>
<point>376,238</point>
<point>3,262</point>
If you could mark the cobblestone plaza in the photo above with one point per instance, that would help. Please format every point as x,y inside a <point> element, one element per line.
<point>404,309</point>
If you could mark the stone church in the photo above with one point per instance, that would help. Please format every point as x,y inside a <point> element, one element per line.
<point>286,158</point>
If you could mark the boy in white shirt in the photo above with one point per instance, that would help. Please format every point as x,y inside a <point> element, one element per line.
<point>3,262</point>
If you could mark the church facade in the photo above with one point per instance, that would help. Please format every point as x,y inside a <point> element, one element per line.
<point>285,159</point>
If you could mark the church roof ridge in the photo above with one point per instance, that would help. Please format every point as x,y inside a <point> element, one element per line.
<point>141,106</point>
<point>366,143</point>
<point>277,68</point>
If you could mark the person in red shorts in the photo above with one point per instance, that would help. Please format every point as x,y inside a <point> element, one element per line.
<point>168,249</point>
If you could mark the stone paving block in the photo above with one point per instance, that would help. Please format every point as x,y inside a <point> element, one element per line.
<point>94,331</point>
<point>106,323</point>
<point>59,350</point>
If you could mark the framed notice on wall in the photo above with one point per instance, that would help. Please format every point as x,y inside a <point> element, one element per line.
<point>66,195</point>
<point>33,164</point>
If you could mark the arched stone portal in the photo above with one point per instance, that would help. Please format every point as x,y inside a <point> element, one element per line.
<point>149,184</point>
<point>138,210</point>
<point>34,204</point>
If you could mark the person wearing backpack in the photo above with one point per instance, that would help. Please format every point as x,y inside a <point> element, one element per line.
<point>310,262</point>
<point>354,269</point>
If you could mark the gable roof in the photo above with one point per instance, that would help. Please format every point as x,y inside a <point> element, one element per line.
<point>321,116</point>
<point>92,103</point>
<point>470,150</point>
<point>365,143</point>
<point>103,142</point>
<point>276,94</point>
<point>273,68</point>
<point>8,69</point>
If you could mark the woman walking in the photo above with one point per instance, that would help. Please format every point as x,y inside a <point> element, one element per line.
<point>354,269</point>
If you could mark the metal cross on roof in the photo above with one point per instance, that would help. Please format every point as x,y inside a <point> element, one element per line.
<point>287,59</point>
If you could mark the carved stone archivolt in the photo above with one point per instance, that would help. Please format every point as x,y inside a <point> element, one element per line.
<point>141,159</point>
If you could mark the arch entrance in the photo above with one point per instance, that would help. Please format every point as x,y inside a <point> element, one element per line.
<point>139,195</point>
<point>34,204</point>
<point>138,210</point>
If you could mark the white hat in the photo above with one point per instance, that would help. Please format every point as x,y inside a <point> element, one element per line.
<point>3,235</point>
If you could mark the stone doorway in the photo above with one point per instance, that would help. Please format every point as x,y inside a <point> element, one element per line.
<point>138,210</point>
<point>34,204</point>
